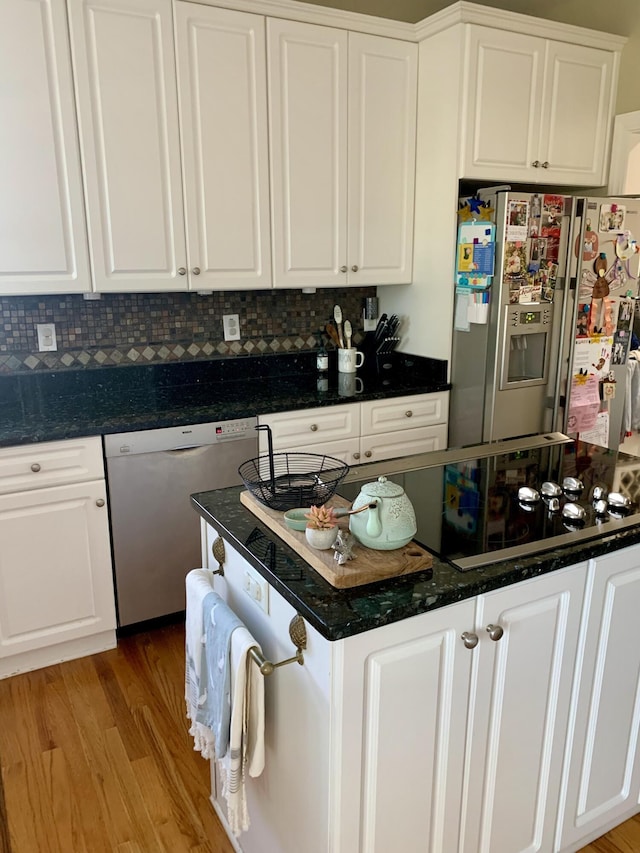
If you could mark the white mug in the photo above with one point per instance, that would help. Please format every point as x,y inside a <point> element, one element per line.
<point>349,360</point>
<point>349,384</point>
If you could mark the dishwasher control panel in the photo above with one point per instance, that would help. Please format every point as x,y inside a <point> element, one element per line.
<point>182,437</point>
<point>242,428</point>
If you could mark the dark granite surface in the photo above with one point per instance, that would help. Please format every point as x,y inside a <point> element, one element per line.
<point>72,403</point>
<point>342,613</point>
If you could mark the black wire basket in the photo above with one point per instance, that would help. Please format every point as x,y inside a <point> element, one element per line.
<point>289,480</point>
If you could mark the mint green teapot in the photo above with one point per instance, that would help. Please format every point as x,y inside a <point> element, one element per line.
<point>390,520</point>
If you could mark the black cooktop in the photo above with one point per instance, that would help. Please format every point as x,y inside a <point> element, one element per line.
<point>469,511</point>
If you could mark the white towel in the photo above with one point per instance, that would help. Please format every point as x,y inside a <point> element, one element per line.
<point>246,742</point>
<point>199,584</point>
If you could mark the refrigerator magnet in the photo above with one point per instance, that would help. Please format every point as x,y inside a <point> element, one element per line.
<point>612,217</point>
<point>589,244</point>
<point>517,221</point>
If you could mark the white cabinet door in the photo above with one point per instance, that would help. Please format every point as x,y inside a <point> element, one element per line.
<point>576,114</point>
<point>43,243</point>
<point>603,778</point>
<point>551,124</point>
<point>404,695</point>
<point>383,79</point>
<point>308,144</point>
<point>342,137</point>
<point>504,82</point>
<point>223,119</point>
<point>519,712</point>
<point>55,568</point>
<point>128,115</point>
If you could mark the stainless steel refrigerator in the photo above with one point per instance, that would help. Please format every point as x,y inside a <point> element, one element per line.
<point>559,314</point>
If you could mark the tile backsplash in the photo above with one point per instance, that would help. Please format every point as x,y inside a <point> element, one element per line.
<point>157,327</point>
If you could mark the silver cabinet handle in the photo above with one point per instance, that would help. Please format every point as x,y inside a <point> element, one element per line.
<point>545,165</point>
<point>408,413</point>
<point>196,270</point>
<point>469,639</point>
<point>35,467</point>
<point>356,455</point>
<point>182,270</point>
<point>536,164</point>
<point>343,268</point>
<point>368,454</point>
<point>314,427</point>
<point>495,632</point>
<point>354,268</point>
<point>100,502</point>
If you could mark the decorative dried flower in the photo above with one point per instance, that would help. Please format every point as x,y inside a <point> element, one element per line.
<point>321,518</point>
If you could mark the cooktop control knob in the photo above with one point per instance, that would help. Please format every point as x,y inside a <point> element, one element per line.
<point>550,490</point>
<point>572,486</point>
<point>573,514</point>
<point>527,495</point>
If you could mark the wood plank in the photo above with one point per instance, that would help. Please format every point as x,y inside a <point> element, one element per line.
<point>369,565</point>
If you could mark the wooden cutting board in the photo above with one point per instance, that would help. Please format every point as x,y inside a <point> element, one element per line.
<point>368,566</point>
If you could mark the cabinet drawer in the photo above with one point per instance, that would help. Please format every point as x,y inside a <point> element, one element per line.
<point>54,463</point>
<point>311,426</point>
<point>404,442</point>
<point>379,416</point>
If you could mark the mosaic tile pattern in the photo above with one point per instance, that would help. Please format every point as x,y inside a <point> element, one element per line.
<point>160,327</point>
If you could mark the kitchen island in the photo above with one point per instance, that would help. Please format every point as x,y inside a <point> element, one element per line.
<point>487,710</point>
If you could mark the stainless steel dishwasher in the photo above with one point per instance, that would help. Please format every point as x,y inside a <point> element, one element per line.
<point>155,531</point>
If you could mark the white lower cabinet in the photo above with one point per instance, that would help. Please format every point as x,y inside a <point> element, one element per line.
<point>56,587</point>
<point>602,786</point>
<point>363,432</point>
<point>443,732</point>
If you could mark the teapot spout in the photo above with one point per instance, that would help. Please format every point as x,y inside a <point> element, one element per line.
<point>374,526</point>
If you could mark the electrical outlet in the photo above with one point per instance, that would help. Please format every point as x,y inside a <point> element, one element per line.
<point>257,588</point>
<point>231,326</point>
<point>46,337</point>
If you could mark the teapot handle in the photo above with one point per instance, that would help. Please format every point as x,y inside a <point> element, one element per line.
<point>374,527</point>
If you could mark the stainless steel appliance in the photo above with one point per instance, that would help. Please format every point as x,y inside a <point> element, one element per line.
<point>155,532</point>
<point>477,506</point>
<point>511,375</point>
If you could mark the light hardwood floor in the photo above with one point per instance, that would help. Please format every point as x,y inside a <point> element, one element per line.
<point>96,758</point>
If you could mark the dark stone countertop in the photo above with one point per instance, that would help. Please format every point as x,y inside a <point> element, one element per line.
<point>48,406</point>
<point>337,614</point>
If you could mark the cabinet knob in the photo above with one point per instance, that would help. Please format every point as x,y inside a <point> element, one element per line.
<point>495,632</point>
<point>354,268</point>
<point>314,427</point>
<point>545,165</point>
<point>343,268</point>
<point>182,270</point>
<point>408,413</point>
<point>368,454</point>
<point>35,467</point>
<point>100,502</point>
<point>469,639</point>
<point>356,455</point>
<point>536,164</point>
<point>196,270</point>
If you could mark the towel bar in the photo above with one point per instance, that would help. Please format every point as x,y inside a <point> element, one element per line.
<point>298,634</point>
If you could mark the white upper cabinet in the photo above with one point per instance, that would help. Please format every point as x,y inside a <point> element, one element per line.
<point>128,115</point>
<point>536,110</point>
<point>43,243</point>
<point>162,217</point>
<point>223,121</point>
<point>342,134</point>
